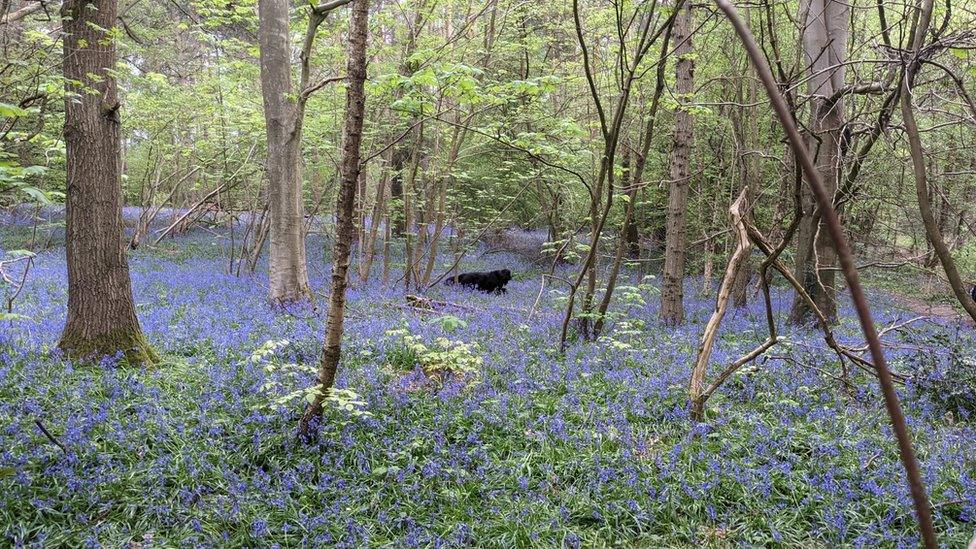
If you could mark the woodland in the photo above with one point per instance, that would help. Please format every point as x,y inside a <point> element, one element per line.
<point>489,273</point>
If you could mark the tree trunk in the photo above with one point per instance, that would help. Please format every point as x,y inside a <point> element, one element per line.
<point>825,34</point>
<point>672,290</point>
<point>101,313</point>
<point>368,251</point>
<point>632,234</point>
<point>749,169</point>
<point>409,194</point>
<point>402,151</point>
<point>940,250</point>
<point>288,274</point>
<point>696,390</point>
<point>345,230</point>
<point>711,241</point>
<point>630,185</point>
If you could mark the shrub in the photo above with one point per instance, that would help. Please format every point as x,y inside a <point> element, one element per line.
<point>441,360</point>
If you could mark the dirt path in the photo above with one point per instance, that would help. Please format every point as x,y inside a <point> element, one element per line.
<point>928,308</point>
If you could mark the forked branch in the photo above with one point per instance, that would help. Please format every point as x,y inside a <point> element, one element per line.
<point>846,260</point>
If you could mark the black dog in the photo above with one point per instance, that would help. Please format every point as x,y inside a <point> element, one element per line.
<point>491,282</point>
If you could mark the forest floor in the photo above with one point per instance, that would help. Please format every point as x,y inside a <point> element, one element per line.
<point>934,309</point>
<point>464,426</point>
<point>922,293</point>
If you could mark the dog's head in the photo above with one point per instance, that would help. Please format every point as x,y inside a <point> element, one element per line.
<point>505,275</point>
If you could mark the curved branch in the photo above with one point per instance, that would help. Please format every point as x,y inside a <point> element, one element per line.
<point>845,257</point>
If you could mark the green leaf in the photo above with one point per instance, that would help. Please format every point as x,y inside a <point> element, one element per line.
<point>11,111</point>
<point>34,170</point>
<point>37,194</point>
<point>451,323</point>
<point>12,316</point>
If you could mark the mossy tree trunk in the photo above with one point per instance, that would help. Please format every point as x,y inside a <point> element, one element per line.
<point>101,313</point>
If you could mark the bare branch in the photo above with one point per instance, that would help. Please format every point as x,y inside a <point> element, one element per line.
<point>917,487</point>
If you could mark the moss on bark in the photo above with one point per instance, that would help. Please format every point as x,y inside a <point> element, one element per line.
<point>134,346</point>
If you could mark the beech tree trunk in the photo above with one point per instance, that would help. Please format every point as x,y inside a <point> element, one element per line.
<point>345,207</point>
<point>825,34</point>
<point>101,312</point>
<point>672,289</point>
<point>288,271</point>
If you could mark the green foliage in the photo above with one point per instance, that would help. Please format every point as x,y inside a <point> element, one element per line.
<point>11,111</point>
<point>629,331</point>
<point>287,384</point>
<point>450,323</point>
<point>442,359</point>
<point>15,182</point>
<point>5,316</point>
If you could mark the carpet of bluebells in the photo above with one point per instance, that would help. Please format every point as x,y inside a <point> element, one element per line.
<point>593,448</point>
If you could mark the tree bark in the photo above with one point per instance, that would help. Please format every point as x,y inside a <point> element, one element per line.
<point>932,230</point>
<point>368,250</point>
<point>749,168</point>
<point>345,229</point>
<point>288,271</point>
<point>672,290</point>
<point>18,14</point>
<point>610,129</point>
<point>846,260</point>
<point>711,241</point>
<point>101,312</point>
<point>825,36</point>
<point>403,150</point>
<point>696,390</point>
<point>633,178</point>
<point>630,185</point>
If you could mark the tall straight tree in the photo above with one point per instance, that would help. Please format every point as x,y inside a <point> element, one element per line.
<point>672,289</point>
<point>627,64</point>
<point>932,229</point>
<point>745,128</point>
<point>345,207</point>
<point>288,276</point>
<point>284,114</point>
<point>825,35</point>
<point>408,145</point>
<point>101,312</point>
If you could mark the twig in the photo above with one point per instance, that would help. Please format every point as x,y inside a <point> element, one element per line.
<point>49,436</point>
<point>892,328</point>
<point>845,257</point>
<point>431,304</point>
